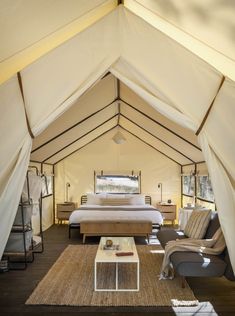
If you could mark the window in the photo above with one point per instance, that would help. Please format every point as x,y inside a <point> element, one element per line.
<point>47,185</point>
<point>188,185</point>
<point>204,189</point>
<point>117,184</point>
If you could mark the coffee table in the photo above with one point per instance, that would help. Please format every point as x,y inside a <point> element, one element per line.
<point>126,244</point>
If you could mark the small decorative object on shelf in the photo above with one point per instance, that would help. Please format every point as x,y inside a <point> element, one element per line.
<point>109,243</point>
<point>113,247</point>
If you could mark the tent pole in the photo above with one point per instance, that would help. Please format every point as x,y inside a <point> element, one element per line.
<point>53,171</point>
<point>209,109</point>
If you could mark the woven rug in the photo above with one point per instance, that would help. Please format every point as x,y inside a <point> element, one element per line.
<point>70,281</point>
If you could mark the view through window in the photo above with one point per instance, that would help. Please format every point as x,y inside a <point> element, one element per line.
<point>204,188</point>
<point>47,185</point>
<point>117,184</point>
<point>188,185</point>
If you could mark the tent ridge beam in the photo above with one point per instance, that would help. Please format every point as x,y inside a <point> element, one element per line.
<point>118,89</point>
<point>35,161</point>
<point>197,163</point>
<point>86,144</point>
<point>106,74</point>
<point>79,138</point>
<point>25,112</point>
<point>149,145</point>
<point>71,127</point>
<point>158,138</point>
<point>160,124</point>
<point>209,109</point>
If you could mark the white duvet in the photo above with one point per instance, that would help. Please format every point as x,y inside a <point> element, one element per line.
<point>116,213</point>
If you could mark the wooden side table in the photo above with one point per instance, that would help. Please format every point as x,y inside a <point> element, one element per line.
<point>168,211</point>
<point>64,210</point>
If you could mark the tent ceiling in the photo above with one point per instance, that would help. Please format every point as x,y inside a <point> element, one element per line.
<point>96,112</point>
<point>209,21</point>
<point>162,134</point>
<point>99,96</point>
<point>131,98</point>
<point>84,141</point>
<point>41,26</point>
<point>204,27</point>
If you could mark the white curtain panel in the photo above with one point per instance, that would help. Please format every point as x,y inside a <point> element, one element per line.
<point>10,196</point>
<point>219,127</point>
<point>223,190</point>
<point>54,82</point>
<point>15,150</point>
<point>50,85</point>
<point>170,71</point>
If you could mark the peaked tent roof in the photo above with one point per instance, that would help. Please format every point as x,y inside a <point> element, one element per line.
<point>98,110</point>
<point>177,83</point>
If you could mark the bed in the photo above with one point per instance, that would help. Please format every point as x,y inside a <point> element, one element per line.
<point>119,215</point>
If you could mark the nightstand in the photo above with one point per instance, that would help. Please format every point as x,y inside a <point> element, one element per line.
<point>64,210</point>
<point>168,212</point>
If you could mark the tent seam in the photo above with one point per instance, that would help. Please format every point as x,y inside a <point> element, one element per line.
<point>210,107</point>
<point>26,115</point>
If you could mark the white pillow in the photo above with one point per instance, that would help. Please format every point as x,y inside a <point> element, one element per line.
<point>115,196</point>
<point>137,199</point>
<point>94,199</point>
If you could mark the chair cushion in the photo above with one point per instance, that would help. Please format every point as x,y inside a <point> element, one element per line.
<point>197,224</point>
<point>213,225</point>
<point>165,235</point>
<point>197,264</point>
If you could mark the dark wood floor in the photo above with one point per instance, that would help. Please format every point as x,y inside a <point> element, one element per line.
<point>216,295</point>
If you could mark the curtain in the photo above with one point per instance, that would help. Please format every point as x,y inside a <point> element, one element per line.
<point>50,85</point>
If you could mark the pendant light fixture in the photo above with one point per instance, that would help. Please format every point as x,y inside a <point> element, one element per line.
<point>118,138</point>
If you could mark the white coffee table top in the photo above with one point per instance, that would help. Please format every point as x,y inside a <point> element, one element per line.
<point>126,244</point>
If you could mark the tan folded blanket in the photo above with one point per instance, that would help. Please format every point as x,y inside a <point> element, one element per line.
<point>213,246</point>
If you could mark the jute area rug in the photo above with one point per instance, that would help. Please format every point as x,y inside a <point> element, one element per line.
<point>70,281</point>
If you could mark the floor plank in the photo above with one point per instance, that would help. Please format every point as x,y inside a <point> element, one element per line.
<point>216,295</point>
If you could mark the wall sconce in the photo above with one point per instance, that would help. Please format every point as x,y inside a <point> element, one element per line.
<point>67,192</point>
<point>160,186</point>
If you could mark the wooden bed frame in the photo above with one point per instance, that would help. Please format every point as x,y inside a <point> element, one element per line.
<point>111,228</point>
<point>148,199</point>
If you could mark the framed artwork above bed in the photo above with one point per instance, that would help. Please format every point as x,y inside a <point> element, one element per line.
<point>118,183</point>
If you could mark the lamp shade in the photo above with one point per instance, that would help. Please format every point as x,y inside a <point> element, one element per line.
<point>118,138</point>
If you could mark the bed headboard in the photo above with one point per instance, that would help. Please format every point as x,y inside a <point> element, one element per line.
<point>148,199</point>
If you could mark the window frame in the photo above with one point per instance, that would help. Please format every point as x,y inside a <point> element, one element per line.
<point>45,182</point>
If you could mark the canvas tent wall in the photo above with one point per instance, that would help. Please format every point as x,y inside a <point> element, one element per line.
<point>176,82</point>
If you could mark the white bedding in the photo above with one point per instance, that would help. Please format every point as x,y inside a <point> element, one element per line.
<point>116,213</point>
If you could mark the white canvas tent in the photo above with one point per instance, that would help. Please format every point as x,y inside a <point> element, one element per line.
<point>188,83</point>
